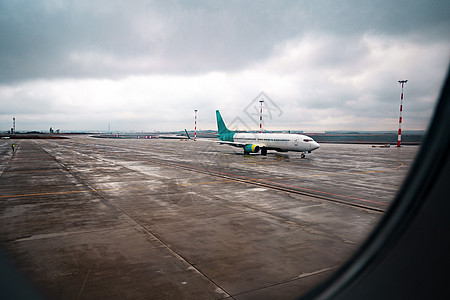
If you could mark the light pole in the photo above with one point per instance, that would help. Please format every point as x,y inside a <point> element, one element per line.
<point>195,127</point>
<point>399,139</point>
<point>260,115</point>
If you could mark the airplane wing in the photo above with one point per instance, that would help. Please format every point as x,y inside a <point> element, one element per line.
<point>236,144</point>
<point>248,147</point>
<point>218,141</point>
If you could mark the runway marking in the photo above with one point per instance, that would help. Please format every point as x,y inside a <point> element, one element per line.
<point>34,171</point>
<point>116,189</point>
<point>49,170</point>
<point>275,178</point>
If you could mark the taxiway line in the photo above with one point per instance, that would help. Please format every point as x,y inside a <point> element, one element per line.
<point>290,177</point>
<point>113,189</point>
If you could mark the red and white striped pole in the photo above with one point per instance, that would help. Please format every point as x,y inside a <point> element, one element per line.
<point>399,139</point>
<point>195,129</point>
<point>260,116</point>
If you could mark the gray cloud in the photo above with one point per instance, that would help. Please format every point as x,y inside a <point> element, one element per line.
<point>52,39</point>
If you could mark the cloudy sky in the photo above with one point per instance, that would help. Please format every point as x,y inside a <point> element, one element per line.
<point>146,65</point>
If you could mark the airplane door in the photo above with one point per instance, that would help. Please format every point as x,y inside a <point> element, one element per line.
<point>295,142</point>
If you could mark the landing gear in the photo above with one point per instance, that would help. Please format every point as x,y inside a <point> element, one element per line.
<point>263,151</point>
<point>303,155</point>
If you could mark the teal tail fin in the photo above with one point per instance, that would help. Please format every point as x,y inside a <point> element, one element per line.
<point>187,134</point>
<point>223,132</point>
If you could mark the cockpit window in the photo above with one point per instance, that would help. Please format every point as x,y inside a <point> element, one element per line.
<point>308,140</point>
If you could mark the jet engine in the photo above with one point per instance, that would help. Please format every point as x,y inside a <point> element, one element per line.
<point>251,148</point>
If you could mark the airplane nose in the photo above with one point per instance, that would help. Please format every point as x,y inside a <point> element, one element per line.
<point>315,146</point>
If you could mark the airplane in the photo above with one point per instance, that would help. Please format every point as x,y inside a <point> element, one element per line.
<point>256,142</point>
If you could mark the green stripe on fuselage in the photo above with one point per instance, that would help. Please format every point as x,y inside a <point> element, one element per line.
<point>227,136</point>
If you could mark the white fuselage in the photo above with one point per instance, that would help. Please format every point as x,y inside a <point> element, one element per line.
<point>278,141</point>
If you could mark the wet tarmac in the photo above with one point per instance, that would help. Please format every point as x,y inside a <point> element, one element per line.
<point>169,219</point>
